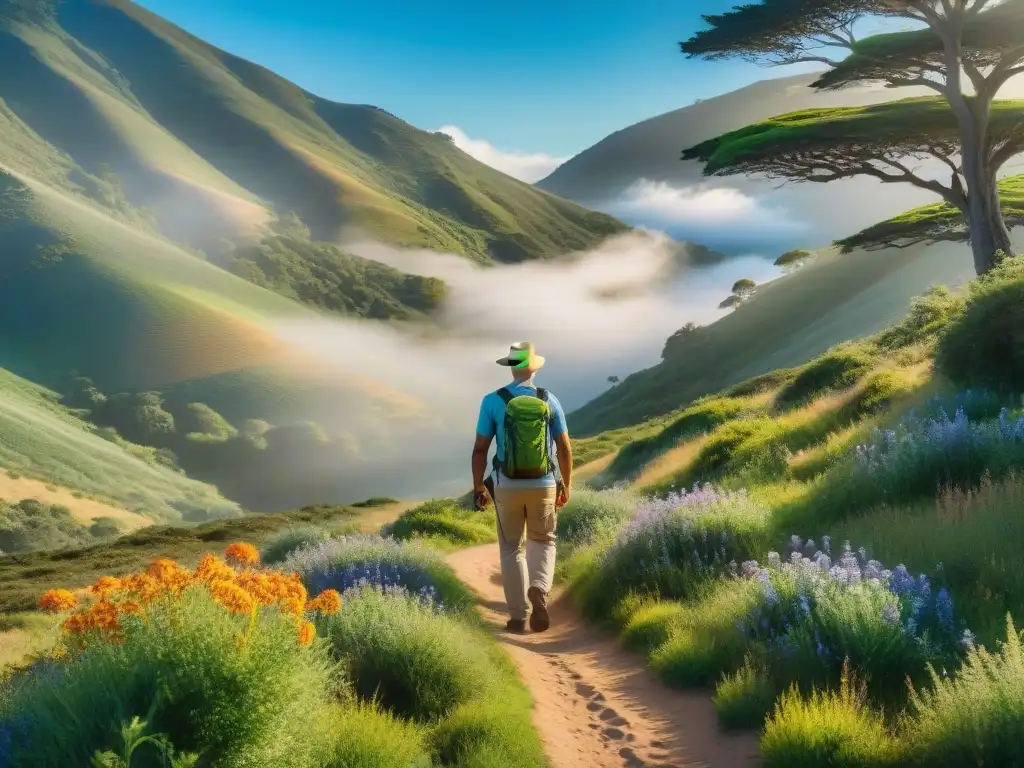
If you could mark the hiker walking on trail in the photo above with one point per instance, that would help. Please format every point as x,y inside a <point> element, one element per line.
<point>527,484</point>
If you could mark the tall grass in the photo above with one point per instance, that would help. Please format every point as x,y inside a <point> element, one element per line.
<point>831,729</point>
<point>976,717</point>
<point>235,709</point>
<point>975,535</point>
<point>446,523</point>
<point>403,653</point>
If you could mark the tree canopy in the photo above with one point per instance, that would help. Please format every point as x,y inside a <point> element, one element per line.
<point>993,39</point>
<point>964,50</point>
<point>822,145</point>
<point>933,223</point>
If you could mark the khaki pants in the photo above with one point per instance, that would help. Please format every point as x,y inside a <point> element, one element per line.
<point>525,513</point>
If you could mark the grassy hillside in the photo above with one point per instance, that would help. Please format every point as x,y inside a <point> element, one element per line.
<point>207,142</point>
<point>835,297</point>
<point>41,440</point>
<point>834,548</point>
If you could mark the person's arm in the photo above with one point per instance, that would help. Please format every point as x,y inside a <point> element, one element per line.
<point>560,433</point>
<point>485,431</point>
<point>564,446</point>
<point>480,449</point>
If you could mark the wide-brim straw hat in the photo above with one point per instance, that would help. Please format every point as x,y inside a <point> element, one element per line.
<point>522,355</point>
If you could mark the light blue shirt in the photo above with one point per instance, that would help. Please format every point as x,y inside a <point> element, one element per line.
<point>491,423</point>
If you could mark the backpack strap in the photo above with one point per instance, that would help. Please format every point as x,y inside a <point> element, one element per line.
<point>505,395</point>
<point>542,394</point>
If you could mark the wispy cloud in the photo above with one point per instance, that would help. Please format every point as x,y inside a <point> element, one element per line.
<point>520,165</point>
<point>658,203</point>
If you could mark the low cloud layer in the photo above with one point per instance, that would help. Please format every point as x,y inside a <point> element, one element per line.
<point>562,307</point>
<point>520,165</point>
<point>710,215</point>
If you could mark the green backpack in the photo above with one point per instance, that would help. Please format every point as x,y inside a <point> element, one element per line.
<point>526,437</point>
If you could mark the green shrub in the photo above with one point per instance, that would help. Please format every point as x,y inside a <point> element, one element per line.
<point>976,717</point>
<point>366,737</point>
<point>744,698</point>
<point>279,546</point>
<point>445,521</point>
<point>833,729</point>
<point>593,516</point>
<point>703,641</point>
<point>674,548</point>
<point>698,419</point>
<point>413,660</point>
<point>837,369</point>
<point>929,315</point>
<point>721,449</point>
<point>761,384</point>
<point>982,345</point>
<point>648,624</point>
<point>235,709</point>
<point>349,561</point>
<point>497,734</point>
<point>881,391</point>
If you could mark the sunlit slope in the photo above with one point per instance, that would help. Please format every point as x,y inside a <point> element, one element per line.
<point>82,291</point>
<point>44,441</point>
<point>205,140</point>
<point>788,322</point>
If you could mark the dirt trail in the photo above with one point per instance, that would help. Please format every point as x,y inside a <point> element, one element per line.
<point>596,705</point>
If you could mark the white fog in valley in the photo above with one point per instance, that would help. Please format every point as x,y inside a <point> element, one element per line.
<point>594,315</point>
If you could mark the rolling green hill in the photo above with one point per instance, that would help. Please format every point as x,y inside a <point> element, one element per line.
<point>42,440</point>
<point>834,298</point>
<point>207,142</point>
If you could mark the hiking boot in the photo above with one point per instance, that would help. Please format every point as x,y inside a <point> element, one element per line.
<point>517,626</point>
<point>539,619</point>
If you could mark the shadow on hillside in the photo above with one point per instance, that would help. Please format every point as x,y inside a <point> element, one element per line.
<point>200,112</point>
<point>58,110</point>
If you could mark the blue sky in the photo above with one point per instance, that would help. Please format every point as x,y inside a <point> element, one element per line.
<point>538,76</point>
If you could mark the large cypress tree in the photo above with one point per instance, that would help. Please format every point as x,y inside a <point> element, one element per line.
<point>964,50</point>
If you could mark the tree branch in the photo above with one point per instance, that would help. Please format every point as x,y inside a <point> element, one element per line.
<point>900,82</point>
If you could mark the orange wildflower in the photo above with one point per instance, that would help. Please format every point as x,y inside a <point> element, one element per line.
<point>129,607</point>
<point>57,601</point>
<point>144,586</point>
<point>307,633</point>
<point>292,606</point>
<point>211,568</point>
<point>232,597</point>
<point>169,575</point>
<point>105,585</point>
<point>259,585</point>
<point>241,553</point>
<point>327,602</point>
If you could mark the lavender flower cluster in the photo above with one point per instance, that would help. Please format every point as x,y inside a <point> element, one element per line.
<point>360,562</point>
<point>939,435</point>
<point>795,589</point>
<point>674,544</point>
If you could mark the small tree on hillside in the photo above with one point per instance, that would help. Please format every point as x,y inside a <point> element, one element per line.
<point>730,302</point>
<point>613,380</point>
<point>965,52</point>
<point>792,260</point>
<point>744,288</point>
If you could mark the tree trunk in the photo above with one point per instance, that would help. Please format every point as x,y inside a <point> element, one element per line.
<point>986,225</point>
<point>987,228</point>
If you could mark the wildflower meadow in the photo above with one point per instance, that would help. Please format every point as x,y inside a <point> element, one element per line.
<point>232,663</point>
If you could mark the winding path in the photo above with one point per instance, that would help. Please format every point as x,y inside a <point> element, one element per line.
<point>596,705</point>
